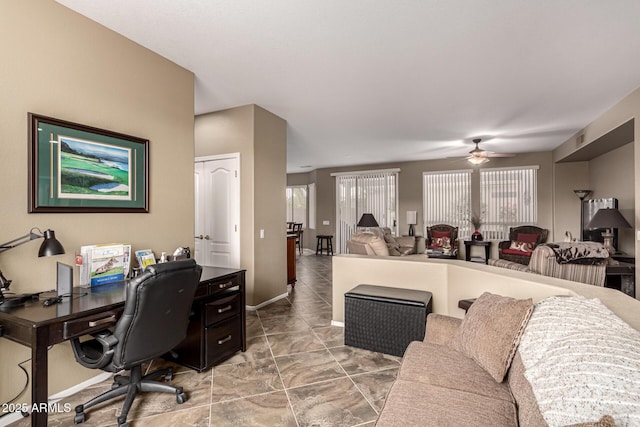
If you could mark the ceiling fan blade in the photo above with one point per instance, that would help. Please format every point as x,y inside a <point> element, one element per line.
<point>500,155</point>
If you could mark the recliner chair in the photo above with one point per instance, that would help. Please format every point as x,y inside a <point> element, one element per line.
<point>154,321</point>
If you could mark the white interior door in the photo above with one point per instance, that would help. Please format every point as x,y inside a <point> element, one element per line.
<point>217,211</point>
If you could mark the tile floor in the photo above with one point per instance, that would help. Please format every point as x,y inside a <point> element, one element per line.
<point>296,372</point>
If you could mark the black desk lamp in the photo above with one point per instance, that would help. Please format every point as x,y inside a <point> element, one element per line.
<point>50,246</point>
<point>367,221</point>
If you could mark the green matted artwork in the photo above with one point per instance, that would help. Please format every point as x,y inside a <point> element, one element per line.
<point>77,168</point>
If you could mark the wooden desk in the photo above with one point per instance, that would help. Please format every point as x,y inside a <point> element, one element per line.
<point>39,327</point>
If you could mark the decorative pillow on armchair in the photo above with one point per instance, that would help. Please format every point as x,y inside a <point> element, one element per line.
<point>440,242</point>
<point>526,247</point>
<point>440,239</point>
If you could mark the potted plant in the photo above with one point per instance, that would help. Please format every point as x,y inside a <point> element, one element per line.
<point>476,222</point>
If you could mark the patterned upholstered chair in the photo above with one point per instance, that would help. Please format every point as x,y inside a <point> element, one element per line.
<point>522,241</point>
<point>437,235</point>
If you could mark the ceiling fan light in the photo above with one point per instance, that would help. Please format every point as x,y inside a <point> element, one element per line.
<point>477,160</point>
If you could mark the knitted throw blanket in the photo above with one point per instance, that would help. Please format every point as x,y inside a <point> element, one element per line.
<point>592,253</point>
<point>582,362</point>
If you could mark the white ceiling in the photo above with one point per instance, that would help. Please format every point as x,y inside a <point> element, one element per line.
<point>371,81</point>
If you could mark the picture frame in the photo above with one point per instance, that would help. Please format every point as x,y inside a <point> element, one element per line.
<point>75,168</point>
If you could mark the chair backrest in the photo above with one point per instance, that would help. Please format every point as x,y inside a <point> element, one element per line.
<point>443,228</point>
<point>297,227</point>
<point>156,312</point>
<point>529,229</point>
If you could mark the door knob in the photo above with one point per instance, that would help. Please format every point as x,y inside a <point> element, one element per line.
<point>198,237</point>
<point>206,237</point>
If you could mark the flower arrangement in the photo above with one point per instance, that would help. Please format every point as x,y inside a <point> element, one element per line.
<point>476,221</point>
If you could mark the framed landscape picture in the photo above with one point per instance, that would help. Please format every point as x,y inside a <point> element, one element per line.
<point>77,168</point>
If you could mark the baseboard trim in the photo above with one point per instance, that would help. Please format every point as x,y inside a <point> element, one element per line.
<point>16,416</point>
<point>339,324</point>
<point>263,304</point>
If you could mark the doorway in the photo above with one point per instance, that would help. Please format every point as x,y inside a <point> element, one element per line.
<point>217,210</point>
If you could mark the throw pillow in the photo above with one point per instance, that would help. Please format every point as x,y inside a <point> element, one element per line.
<point>521,246</point>
<point>436,233</point>
<point>440,242</point>
<point>491,331</point>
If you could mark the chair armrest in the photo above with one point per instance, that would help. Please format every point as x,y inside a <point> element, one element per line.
<point>406,241</point>
<point>505,244</point>
<point>96,353</point>
<point>441,329</point>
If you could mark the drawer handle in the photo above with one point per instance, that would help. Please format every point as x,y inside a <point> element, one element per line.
<point>102,321</point>
<point>223,309</point>
<point>224,340</point>
<point>225,285</point>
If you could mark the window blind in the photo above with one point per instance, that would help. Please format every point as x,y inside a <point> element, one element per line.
<point>374,192</point>
<point>508,198</point>
<point>447,199</point>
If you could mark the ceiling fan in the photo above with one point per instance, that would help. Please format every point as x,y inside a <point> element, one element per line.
<point>478,156</point>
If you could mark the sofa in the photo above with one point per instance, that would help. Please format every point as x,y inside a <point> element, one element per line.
<point>379,241</point>
<point>584,262</point>
<point>504,365</point>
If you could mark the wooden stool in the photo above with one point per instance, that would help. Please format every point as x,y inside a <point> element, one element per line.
<point>320,245</point>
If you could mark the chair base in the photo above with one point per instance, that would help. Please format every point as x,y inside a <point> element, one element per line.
<point>131,386</point>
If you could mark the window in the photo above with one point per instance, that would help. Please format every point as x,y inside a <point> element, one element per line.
<point>297,204</point>
<point>508,198</point>
<point>447,199</point>
<point>312,205</point>
<point>374,192</point>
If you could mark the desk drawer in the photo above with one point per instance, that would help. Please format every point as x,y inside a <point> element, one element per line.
<point>86,325</point>
<point>222,285</point>
<point>222,308</point>
<point>223,340</point>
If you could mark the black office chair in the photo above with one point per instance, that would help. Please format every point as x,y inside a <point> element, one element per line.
<point>154,321</point>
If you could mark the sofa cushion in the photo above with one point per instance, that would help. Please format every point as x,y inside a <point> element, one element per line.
<point>376,244</point>
<point>411,403</point>
<point>491,330</point>
<point>445,367</point>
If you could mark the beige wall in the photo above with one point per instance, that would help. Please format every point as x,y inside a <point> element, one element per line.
<point>568,177</point>
<point>627,108</point>
<point>60,64</point>
<point>410,188</point>
<point>611,175</point>
<point>260,138</point>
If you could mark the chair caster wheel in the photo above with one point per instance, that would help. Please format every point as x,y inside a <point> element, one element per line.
<point>123,425</point>
<point>168,377</point>
<point>181,398</point>
<point>78,418</point>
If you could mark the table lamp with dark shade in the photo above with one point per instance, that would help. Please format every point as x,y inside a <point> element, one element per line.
<point>50,246</point>
<point>367,221</point>
<point>608,218</point>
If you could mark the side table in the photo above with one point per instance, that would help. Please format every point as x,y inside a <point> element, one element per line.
<point>625,275</point>
<point>485,243</point>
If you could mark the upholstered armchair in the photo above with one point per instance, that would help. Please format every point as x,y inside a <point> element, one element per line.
<point>522,241</point>
<point>441,235</point>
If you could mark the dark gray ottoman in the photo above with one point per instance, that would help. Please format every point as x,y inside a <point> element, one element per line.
<point>383,319</point>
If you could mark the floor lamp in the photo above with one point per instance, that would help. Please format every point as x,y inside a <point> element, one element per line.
<point>581,195</point>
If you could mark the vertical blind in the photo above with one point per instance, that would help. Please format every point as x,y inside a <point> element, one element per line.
<point>508,198</point>
<point>447,199</point>
<point>297,204</point>
<point>374,192</point>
